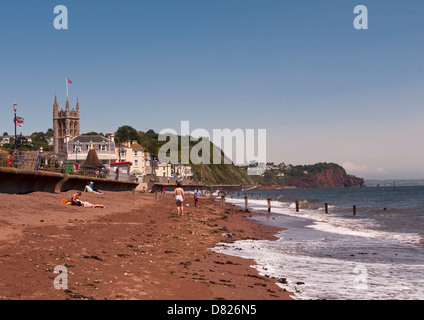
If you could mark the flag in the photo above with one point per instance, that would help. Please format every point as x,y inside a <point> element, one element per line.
<point>19,121</point>
<point>68,80</point>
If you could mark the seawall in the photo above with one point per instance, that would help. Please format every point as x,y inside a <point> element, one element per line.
<point>16,181</point>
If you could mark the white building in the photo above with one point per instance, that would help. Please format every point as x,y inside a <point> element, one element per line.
<point>77,149</point>
<point>163,170</point>
<point>133,152</point>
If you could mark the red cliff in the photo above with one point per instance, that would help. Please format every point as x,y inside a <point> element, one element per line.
<point>328,178</point>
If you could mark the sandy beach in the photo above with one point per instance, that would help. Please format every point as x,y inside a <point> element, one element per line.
<point>132,249</point>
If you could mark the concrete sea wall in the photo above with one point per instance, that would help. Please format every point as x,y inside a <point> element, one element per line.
<point>16,181</point>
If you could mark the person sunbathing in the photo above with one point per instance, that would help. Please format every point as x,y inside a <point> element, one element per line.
<point>75,201</point>
<point>87,204</point>
<point>90,188</point>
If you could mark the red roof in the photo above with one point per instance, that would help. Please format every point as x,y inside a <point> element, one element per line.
<point>116,163</point>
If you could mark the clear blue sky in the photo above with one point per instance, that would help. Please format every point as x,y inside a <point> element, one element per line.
<point>323,90</point>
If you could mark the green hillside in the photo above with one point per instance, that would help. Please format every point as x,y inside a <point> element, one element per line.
<point>209,173</point>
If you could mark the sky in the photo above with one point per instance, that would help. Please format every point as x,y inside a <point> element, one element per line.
<point>323,90</point>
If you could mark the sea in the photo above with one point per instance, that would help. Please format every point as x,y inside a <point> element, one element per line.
<point>376,254</point>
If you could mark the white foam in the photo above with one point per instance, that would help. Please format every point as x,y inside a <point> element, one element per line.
<point>360,229</point>
<point>331,223</point>
<point>334,264</point>
<point>326,278</point>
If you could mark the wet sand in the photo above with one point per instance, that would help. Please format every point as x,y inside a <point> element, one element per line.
<point>132,249</point>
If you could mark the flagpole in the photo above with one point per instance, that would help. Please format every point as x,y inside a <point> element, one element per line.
<point>67,90</point>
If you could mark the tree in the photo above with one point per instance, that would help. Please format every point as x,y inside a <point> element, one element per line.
<point>149,141</point>
<point>49,133</point>
<point>39,140</point>
<point>93,133</point>
<point>126,133</point>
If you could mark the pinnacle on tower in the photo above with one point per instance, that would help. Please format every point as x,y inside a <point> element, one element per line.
<point>55,104</point>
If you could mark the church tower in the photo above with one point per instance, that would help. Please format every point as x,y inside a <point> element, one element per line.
<point>66,125</point>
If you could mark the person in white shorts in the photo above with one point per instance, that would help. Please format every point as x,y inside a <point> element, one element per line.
<point>179,198</point>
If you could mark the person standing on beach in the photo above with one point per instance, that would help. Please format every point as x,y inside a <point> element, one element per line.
<point>196,197</point>
<point>179,198</point>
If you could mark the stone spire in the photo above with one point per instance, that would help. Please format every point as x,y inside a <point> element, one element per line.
<point>55,105</point>
<point>55,125</point>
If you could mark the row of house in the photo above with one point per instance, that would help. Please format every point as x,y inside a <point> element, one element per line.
<point>6,139</point>
<point>140,161</point>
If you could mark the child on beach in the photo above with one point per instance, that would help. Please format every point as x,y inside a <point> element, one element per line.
<point>74,199</point>
<point>196,197</point>
<point>179,198</point>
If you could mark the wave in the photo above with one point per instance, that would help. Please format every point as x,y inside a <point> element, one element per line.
<point>332,223</point>
<point>323,258</point>
<point>320,277</point>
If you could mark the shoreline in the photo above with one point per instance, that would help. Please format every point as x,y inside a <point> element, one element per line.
<point>133,249</point>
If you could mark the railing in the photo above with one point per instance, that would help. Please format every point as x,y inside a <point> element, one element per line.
<point>26,161</point>
<point>38,161</point>
<point>168,180</point>
<point>121,176</point>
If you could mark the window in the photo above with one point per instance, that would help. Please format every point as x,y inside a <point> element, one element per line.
<point>123,153</point>
<point>135,153</point>
<point>77,148</point>
<point>103,147</point>
<point>136,163</point>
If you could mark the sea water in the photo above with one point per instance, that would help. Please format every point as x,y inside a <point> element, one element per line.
<point>376,254</point>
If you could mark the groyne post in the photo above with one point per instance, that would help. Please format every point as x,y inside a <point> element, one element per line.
<point>326,208</point>
<point>269,204</point>
<point>222,202</point>
<point>246,204</point>
<point>354,210</point>
<point>297,206</point>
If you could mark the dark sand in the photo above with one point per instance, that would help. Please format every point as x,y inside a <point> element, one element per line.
<point>133,249</point>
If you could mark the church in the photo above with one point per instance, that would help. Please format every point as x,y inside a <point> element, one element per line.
<point>66,125</point>
<point>73,147</point>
